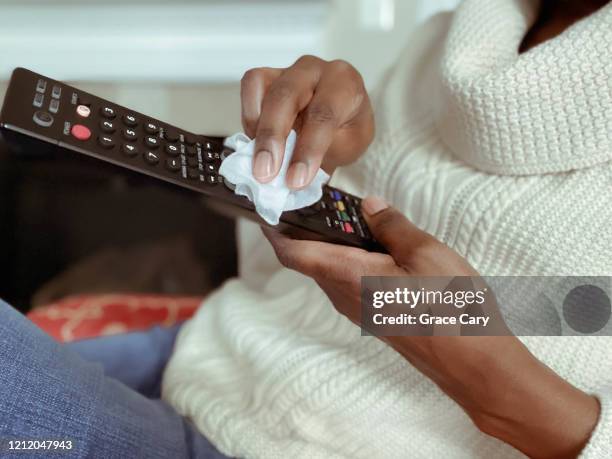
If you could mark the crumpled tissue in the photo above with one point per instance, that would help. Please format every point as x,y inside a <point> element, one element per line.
<point>273,198</point>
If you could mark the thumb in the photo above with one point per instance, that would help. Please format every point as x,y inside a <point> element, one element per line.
<point>392,229</point>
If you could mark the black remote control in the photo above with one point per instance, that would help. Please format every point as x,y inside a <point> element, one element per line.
<point>48,111</point>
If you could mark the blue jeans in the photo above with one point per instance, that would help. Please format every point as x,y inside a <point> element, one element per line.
<point>82,392</point>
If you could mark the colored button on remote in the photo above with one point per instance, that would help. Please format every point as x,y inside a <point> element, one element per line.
<point>80,132</point>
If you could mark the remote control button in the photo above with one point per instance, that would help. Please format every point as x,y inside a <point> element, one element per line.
<point>207,146</point>
<point>173,164</point>
<point>80,132</point>
<point>129,134</point>
<point>171,135</point>
<point>130,120</point>
<point>41,86</point>
<point>108,112</point>
<point>152,142</point>
<point>129,149</point>
<point>39,100</point>
<point>108,126</point>
<point>340,206</point>
<point>192,162</point>
<point>151,128</point>
<point>190,150</point>
<point>193,174</point>
<point>190,139</point>
<point>83,111</point>
<point>54,106</point>
<point>151,157</point>
<point>56,92</point>
<point>212,179</point>
<point>210,168</point>
<point>106,142</point>
<point>43,119</point>
<point>173,150</point>
<point>348,228</point>
<point>209,156</point>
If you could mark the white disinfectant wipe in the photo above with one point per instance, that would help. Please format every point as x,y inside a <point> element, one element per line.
<point>272,198</point>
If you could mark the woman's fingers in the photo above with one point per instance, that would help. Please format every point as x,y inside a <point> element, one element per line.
<point>336,100</point>
<point>253,87</point>
<point>287,96</point>
<point>325,101</point>
<point>392,229</point>
<point>329,262</point>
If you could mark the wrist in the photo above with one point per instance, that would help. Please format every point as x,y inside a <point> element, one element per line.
<point>525,404</point>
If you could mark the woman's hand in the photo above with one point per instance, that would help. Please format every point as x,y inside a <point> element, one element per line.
<point>325,101</point>
<point>506,391</point>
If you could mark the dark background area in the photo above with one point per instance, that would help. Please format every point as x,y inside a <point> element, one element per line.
<point>71,224</point>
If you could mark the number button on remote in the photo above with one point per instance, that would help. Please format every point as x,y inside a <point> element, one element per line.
<point>151,157</point>
<point>129,149</point>
<point>129,134</point>
<point>151,128</point>
<point>173,150</point>
<point>107,126</point>
<point>130,120</point>
<point>173,164</point>
<point>152,142</point>
<point>106,142</point>
<point>108,112</point>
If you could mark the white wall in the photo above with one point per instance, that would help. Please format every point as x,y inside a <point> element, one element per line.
<point>371,33</point>
<point>181,61</point>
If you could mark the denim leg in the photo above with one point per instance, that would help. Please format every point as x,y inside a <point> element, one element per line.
<point>48,392</point>
<point>137,359</point>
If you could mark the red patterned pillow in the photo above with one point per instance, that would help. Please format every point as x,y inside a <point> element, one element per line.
<point>88,316</point>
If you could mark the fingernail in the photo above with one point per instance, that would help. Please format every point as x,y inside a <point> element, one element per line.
<point>263,167</point>
<point>373,205</point>
<point>297,175</point>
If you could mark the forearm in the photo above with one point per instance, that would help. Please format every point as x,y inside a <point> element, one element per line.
<point>537,411</point>
<point>517,399</point>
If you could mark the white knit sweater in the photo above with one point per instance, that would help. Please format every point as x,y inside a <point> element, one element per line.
<point>508,159</point>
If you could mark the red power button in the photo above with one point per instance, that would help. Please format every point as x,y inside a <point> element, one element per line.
<point>80,132</point>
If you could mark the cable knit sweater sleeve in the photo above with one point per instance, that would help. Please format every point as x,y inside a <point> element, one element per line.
<point>600,443</point>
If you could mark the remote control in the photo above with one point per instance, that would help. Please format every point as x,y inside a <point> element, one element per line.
<point>43,111</point>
